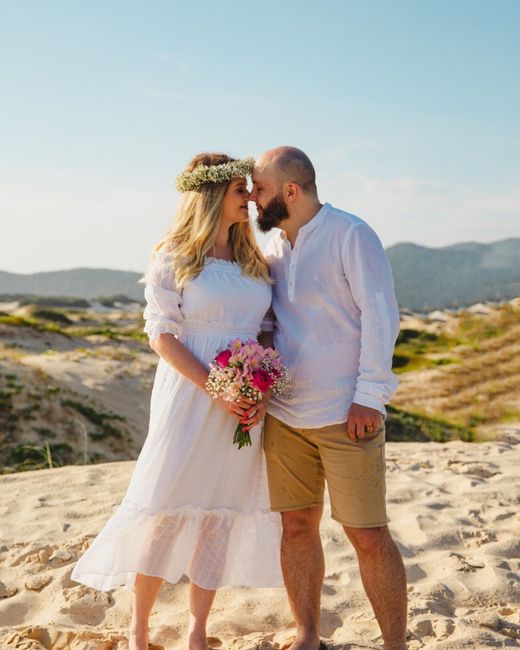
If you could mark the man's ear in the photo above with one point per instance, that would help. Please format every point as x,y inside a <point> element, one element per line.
<point>291,191</point>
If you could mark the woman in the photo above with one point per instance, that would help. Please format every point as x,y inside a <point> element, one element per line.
<point>196,504</point>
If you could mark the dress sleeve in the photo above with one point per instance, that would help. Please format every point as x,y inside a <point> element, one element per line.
<point>162,313</point>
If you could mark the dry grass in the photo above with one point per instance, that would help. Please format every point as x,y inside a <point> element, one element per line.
<point>482,387</point>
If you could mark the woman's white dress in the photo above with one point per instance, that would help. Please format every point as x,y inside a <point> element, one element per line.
<point>196,504</point>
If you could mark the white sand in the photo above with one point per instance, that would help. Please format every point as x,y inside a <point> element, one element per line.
<point>454,514</point>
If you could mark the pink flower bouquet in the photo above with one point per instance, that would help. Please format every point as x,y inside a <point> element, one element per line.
<point>246,369</point>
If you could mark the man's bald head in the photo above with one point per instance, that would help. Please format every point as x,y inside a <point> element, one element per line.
<point>289,164</point>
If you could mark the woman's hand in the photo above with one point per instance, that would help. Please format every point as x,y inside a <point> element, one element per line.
<point>255,413</point>
<point>238,409</point>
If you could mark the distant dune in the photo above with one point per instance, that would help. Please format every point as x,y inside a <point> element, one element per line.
<point>425,278</point>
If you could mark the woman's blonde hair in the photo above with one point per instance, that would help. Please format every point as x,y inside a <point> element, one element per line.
<point>194,230</point>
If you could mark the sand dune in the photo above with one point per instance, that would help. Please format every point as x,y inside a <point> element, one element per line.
<point>454,513</point>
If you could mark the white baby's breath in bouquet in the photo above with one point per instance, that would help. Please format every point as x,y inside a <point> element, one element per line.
<point>245,369</point>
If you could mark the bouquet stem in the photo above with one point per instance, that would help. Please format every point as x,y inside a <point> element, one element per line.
<point>241,438</point>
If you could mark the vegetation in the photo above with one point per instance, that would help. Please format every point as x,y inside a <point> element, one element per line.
<point>47,301</point>
<point>51,315</point>
<point>403,426</point>
<point>414,350</point>
<point>100,419</point>
<point>56,322</point>
<point>481,384</point>
<point>110,301</point>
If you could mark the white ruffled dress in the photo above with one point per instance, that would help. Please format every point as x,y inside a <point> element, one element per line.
<point>196,504</point>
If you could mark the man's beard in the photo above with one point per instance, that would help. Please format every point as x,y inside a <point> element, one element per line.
<point>273,214</point>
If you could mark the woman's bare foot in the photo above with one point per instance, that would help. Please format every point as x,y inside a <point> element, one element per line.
<point>197,641</point>
<point>137,639</point>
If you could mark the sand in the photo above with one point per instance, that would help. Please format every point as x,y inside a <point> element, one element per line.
<point>454,515</point>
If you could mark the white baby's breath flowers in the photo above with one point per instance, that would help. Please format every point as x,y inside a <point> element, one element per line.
<point>188,181</point>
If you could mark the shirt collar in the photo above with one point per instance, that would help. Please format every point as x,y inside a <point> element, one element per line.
<point>312,224</point>
<point>316,220</point>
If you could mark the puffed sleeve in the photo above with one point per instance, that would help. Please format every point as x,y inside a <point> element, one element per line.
<point>162,313</point>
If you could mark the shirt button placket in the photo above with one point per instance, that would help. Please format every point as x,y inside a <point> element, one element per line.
<point>292,272</point>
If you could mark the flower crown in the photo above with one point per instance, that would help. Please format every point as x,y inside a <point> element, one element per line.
<point>187,181</point>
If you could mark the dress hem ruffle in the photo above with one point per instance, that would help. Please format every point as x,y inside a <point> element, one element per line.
<point>212,547</point>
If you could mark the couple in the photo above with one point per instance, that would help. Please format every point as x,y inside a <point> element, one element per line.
<point>196,505</point>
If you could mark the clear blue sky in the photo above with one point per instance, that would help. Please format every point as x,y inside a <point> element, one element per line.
<point>409,110</point>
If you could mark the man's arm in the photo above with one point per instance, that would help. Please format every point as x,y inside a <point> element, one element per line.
<point>370,278</point>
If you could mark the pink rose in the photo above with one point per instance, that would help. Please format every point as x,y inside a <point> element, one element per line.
<point>223,358</point>
<point>262,380</point>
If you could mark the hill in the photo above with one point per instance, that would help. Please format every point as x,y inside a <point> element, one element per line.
<point>425,278</point>
<point>458,275</point>
<point>82,283</point>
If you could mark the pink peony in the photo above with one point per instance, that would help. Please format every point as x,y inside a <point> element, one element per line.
<point>223,358</point>
<point>262,380</point>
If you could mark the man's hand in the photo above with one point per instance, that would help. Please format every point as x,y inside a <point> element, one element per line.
<point>361,420</point>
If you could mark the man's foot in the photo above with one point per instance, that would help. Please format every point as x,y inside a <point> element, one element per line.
<point>197,641</point>
<point>306,643</point>
<point>137,639</point>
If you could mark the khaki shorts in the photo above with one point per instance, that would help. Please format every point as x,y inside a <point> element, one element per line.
<point>299,461</point>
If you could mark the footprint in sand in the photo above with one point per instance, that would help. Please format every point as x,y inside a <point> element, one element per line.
<point>472,538</point>
<point>31,555</point>
<point>462,564</point>
<point>7,591</point>
<point>88,608</point>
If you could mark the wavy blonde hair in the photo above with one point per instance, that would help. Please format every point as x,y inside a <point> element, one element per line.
<point>194,230</point>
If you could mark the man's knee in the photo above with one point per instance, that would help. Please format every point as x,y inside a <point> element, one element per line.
<point>369,540</point>
<point>305,522</point>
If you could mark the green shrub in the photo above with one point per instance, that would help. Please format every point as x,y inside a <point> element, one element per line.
<point>403,426</point>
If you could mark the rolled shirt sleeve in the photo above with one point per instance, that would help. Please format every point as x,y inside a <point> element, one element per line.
<point>370,278</point>
<point>162,313</point>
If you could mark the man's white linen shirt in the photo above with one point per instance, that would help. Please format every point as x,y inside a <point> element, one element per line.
<point>336,319</point>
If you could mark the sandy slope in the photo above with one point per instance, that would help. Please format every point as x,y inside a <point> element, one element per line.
<point>454,514</point>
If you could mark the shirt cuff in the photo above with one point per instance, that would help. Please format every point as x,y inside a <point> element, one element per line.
<point>369,401</point>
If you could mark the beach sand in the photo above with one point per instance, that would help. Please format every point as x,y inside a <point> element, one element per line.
<point>454,515</point>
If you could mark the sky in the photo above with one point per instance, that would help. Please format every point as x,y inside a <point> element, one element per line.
<point>407,108</point>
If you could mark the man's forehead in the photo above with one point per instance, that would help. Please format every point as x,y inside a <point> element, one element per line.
<point>260,174</point>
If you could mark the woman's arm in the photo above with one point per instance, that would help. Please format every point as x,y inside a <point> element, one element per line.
<point>175,353</point>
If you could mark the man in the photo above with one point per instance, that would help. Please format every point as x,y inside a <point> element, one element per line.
<point>336,321</point>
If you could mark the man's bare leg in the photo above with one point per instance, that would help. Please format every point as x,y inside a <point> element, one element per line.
<point>303,569</point>
<point>382,572</point>
<point>144,593</point>
<point>201,601</point>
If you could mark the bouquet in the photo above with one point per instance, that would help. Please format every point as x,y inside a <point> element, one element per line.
<point>246,369</point>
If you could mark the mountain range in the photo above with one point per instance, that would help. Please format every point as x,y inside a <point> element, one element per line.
<point>425,278</point>
<point>455,276</point>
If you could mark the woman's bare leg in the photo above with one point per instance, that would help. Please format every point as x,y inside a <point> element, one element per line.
<point>144,594</point>
<point>200,605</point>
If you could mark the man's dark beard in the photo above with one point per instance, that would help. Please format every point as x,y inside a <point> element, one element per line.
<point>273,214</point>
